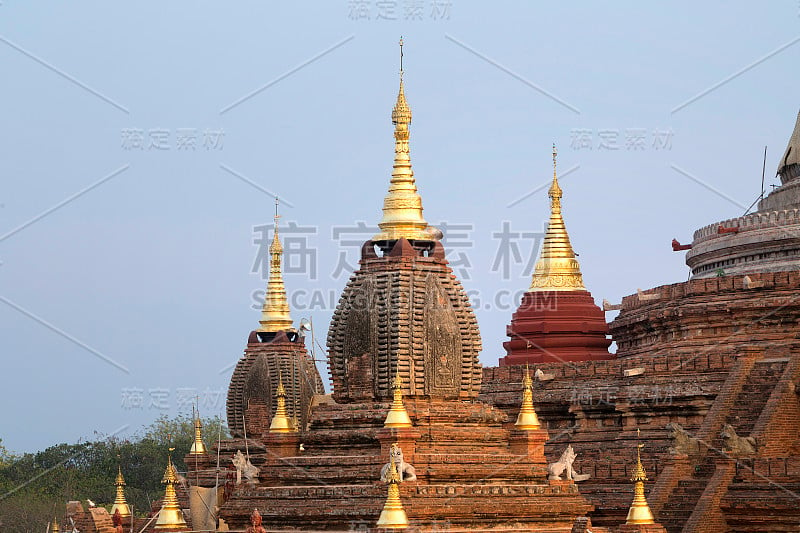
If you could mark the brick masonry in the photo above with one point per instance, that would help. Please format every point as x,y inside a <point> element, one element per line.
<point>707,352</point>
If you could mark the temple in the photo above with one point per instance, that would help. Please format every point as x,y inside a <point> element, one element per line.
<point>692,426</point>
<point>403,355</point>
<point>700,393</point>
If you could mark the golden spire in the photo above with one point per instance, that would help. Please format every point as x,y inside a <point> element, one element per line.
<point>55,528</point>
<point>402,207</point>
<point>639,513</point>
<point>120,503</point>
<point>275,313</point>
<point>170,516</point>
<point>397,417</point>
<point>393,516</point>
<point>198,446</point>
<point>280,422</point>
<point>557,269</point>
<point>527,419</point>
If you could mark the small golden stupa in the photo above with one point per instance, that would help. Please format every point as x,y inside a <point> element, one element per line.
<point>170,517</point>
<point>393,516</point>
<point>198,446</point>
<point>639,513</point>
<point>280,422</point>
<point>527,419</point>
<point>397,417</point>
<point>120,503</point>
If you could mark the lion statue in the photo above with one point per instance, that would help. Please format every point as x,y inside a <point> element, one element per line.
<point>404,470</point>
<point>564,466</point>
<point>244,468</point>
<point>682,442</point>
<point>733,444</point>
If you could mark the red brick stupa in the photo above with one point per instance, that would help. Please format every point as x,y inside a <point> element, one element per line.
<point>557,320</point>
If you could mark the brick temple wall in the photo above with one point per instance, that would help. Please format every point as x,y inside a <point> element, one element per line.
<point>701,354</point>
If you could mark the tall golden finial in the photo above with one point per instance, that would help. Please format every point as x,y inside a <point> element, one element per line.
<point>527,419</point>
<point>275,312</point>
<point>639,513</point>
<point>170,516</point>
<point>120,503</point>
<point>557,268</point>
<point>393,516</point>
<point>397,417</point>
<point>55,528</point>
<point>198,446</point>
<point>402,207</point>
<point>280,422</point>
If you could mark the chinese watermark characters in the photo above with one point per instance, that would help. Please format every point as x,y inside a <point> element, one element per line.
<point>300,257</point>
<point>406,10</point>
<point>629,139</point>
<point>181,139</point>
<point>164,399</point>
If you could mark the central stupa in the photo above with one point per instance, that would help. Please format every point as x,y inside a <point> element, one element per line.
<point>404,310</point>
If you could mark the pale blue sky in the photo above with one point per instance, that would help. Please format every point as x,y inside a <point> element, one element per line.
<point>151,268</point>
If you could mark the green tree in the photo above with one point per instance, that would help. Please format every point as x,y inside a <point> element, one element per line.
<point>35,486</point>
<point>5,456</point>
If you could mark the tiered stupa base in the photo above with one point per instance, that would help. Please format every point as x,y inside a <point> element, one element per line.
<point>474,473</point>
<point>556,326</point>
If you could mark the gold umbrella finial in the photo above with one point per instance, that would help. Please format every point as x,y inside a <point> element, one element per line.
<point>397,417</point>
<point>557,268</point>
<point>640,512</point>
<point>198,446</point>
<point>402,206</point>
<point>120,503</point>
<point>275,315</point>
<point>527,419</point>
<point>280,422</point>
<point>170,516</point>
